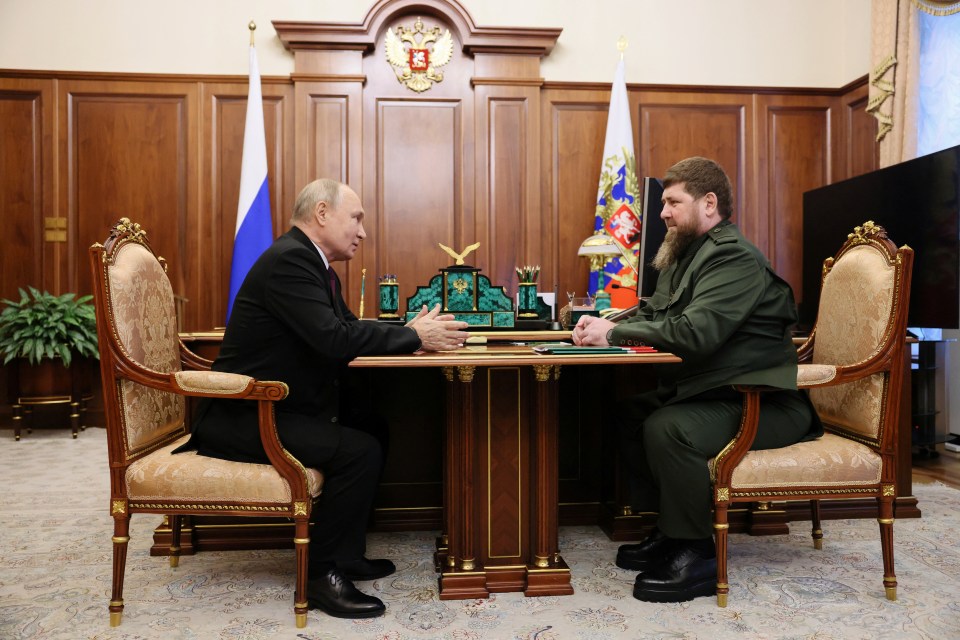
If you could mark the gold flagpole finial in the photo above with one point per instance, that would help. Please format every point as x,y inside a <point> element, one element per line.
<point>253,27</point>
<point>621,45</point>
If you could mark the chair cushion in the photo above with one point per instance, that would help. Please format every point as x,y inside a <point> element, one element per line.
<point>828,461</point>
<point>189,476</point>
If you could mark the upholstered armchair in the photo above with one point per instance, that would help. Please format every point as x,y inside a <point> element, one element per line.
<point>853,366</point>
<point>148,374</point>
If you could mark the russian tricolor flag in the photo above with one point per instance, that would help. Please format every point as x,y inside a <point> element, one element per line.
<point>254,227</point>
<point>618,207</point>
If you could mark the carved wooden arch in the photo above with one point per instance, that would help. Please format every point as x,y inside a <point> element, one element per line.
<point>363,36</point>
<point>456,164</point>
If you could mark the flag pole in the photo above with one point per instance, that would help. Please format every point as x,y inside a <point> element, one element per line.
<point>254,229</point>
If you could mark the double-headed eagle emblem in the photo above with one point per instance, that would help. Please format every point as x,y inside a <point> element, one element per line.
<point>417,66</point>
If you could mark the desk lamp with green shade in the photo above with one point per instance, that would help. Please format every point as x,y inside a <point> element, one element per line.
<point>599,248</point>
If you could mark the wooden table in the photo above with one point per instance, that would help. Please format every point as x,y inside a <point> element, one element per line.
<point>500,471</point>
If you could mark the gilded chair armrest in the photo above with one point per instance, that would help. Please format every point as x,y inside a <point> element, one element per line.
<point>215,382</point>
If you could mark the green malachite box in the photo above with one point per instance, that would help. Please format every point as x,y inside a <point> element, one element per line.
<point>469,296</point>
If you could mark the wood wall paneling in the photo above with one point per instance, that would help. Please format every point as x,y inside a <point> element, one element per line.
<point>225,105</point>
<point>676,126</point>
<point>329,145</point>
<point>129,149</point>
<point>514,222</point>
<point>419,148</point>
<point>797,148</point>
<point>574,126</point>
<point>26,156</point>
<point>863,151</point>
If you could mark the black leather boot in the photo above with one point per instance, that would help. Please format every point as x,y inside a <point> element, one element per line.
<point>689,571</point>
<point>647,554</point>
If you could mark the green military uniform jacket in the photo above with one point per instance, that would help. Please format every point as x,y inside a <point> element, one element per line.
<point>723,310</point>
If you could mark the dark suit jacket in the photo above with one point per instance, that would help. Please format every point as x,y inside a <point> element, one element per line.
<point>287,325</point>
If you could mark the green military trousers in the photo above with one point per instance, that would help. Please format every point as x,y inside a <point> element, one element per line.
<point>665,449</point>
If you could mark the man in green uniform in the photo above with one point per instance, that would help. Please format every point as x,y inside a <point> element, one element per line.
<point>721,308</point>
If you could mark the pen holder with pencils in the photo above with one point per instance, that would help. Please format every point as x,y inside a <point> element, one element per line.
<point>527,292</point>
<point>389,298</point>
<point>527,300</point>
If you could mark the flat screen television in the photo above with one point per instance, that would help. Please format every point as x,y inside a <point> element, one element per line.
<point>653,233</point>
<point>918,203</point>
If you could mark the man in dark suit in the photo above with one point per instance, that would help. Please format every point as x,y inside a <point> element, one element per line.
<point>719,306</point>
<point>289,322</point>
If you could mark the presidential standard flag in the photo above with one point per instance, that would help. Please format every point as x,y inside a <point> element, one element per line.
<point>618,202</point>
<point>254,227</point>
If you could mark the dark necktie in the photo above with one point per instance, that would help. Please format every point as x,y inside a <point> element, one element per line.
<point>334,299</point>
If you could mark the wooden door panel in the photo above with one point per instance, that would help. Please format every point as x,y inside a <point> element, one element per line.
<point>129,151</point>
<point>419,151</point>
<point>21,199</point>
<point>576,125</point>
<point>798,158</point>
<point>671,132</point>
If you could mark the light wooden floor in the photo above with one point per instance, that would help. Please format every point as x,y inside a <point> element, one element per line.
<point>944,468</point>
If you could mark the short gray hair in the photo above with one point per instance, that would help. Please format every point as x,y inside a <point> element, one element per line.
<point>322,190</point>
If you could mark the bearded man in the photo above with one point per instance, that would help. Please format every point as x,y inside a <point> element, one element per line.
<point>721,308</point>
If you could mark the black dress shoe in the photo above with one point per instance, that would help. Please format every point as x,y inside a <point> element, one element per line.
<point>336,596</point>
<point>645,555</point>
<point>686,574</point>
<point>364,569</point>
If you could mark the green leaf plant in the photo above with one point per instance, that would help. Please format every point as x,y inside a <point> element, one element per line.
<point>42,325</point>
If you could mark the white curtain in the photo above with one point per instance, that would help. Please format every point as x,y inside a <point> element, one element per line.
<point>939,108</point>
<point>895,74</point>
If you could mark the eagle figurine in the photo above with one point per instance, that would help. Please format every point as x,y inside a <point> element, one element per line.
<point>459,256</point>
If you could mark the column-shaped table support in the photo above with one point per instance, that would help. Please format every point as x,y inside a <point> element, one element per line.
<point>549,574</point>
<point>500,483</point>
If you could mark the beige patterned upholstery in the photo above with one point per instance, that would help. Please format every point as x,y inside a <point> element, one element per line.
<point>212,381</point>
<point>853,365</point>
<point>189,477</point>
<point>829,461</point>
<point>148,374</point>
<point>146,323</point>
<point>813,374</point>
<point>857,296</point>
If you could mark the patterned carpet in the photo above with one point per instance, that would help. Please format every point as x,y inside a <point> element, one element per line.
<point>55,565</point>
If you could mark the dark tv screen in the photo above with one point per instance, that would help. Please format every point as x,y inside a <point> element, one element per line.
<point>918,203</point>
<point>654,231</point>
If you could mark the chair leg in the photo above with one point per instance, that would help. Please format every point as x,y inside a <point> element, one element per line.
<point>720,529</point>
<point>301,542</point>
<point>121,536</point>
<point>885,505</point>
<point>176,524</point>
<point>17,420</point>
<point>75,418</point>
<point>817,531</point>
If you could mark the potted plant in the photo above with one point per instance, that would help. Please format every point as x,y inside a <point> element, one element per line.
<point>46,333</point>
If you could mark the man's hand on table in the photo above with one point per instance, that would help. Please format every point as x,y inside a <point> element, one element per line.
<point>591,331</point>
<point>438,332</point>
